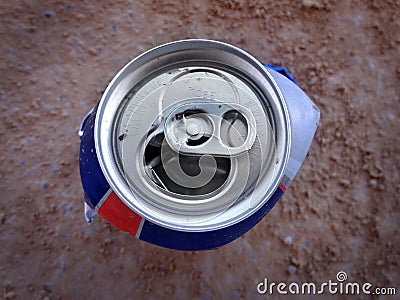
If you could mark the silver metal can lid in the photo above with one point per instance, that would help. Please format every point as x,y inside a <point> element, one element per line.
<point>193,135</point>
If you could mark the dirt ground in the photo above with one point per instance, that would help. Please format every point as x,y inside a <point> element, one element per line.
<point>341,213</point>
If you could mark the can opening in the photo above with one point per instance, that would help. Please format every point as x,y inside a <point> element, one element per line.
<point>155,168</point>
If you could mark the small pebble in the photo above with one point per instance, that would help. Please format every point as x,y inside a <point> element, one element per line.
<point>291,269</point>
<point>2,218</point>
<point>10,295</point>
<point>288,240</point>
<point>92,51</point>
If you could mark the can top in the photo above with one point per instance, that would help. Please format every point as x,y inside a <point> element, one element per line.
<point>193,135</point>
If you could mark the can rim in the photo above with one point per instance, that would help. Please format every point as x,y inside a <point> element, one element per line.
<point>102,134</point>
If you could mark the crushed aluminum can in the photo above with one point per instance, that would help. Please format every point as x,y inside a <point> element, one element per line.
<point>192,143</point>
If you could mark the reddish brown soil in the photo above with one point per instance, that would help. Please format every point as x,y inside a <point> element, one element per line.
<point>342,211</point>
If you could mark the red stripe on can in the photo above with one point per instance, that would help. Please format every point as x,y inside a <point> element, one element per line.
<point>118,214</point>
<point>283,188</point>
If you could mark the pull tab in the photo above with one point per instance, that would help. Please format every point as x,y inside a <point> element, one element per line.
<point>213,128</point>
